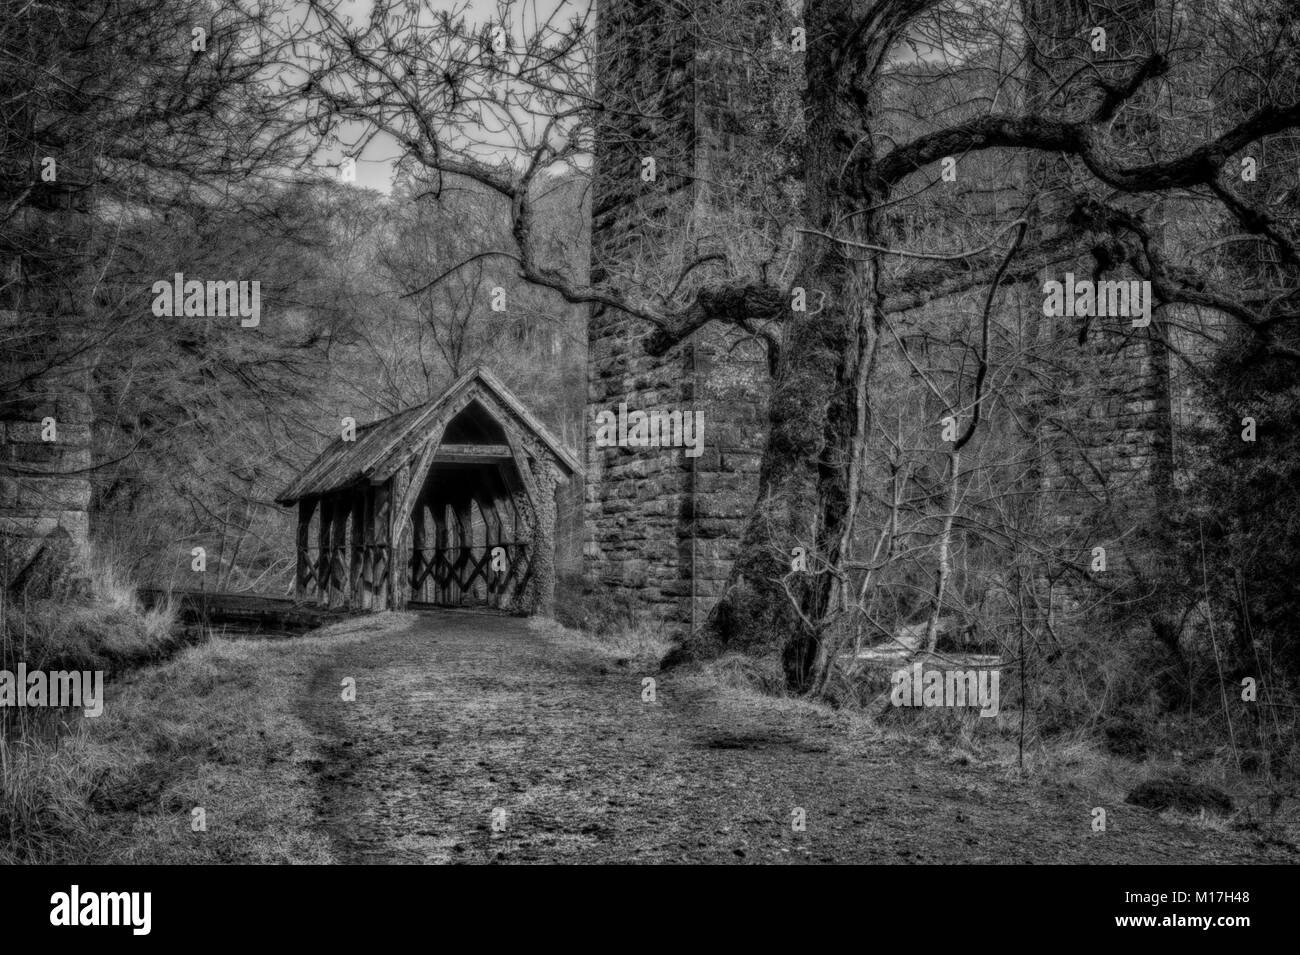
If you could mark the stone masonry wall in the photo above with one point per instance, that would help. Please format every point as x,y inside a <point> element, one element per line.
<point>653,516</point>
<point>44,484</point>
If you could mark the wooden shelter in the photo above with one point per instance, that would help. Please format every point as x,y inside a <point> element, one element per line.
<point>449,503</point>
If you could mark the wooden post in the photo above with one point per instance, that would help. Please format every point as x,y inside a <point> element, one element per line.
<point>383,516</point>
<point>492,538</point>
<point>441,540</point>
<point>355,596</point>
<point>338,556</point>
<point>399,571</point>
<point>543,563</point>
<point>510,492</point>
<point>305,508</point>
<point>417,547</point>
<point>323,550</point>
<point>464,518</point>
<point>368,543</point>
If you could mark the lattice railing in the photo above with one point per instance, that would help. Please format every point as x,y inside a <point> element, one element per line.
<point>465,576</point>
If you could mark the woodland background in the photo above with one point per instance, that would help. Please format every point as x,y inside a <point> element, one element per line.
<point>823,173</point>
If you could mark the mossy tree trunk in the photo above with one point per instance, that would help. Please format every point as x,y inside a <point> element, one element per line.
<point>818,410</point>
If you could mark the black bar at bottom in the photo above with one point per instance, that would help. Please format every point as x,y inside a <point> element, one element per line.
<point>916,905</point>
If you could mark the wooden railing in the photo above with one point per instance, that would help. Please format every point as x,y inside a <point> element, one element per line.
<point>443,576</point>
<point>465,576</point>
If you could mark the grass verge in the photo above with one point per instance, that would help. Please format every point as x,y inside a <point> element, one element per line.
<point>207,730</point>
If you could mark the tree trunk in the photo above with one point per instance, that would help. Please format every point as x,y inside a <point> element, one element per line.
<point>944,570</point>
<point>818,409</point>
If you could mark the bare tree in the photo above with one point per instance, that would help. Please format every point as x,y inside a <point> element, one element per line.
<point>503,114</point>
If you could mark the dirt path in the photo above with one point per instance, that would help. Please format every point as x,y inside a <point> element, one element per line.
<point>461,714</point>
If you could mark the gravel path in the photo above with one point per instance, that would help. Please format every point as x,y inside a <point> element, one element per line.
<point>460,715</point>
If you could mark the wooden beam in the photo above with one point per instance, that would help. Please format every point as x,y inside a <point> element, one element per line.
<point>442,541</point>
<point>522,474</point>
<point>338,555</point>
<point>358,555</point>
<point>464,518</point>
<point>368,543</point>
<point>323,549</point>
<point>383,543</point>
<point>417,549</point>
<point>472,454</point>
<point>514,487</point>
<point>399,537</point>
<point>507,492</point>
<point>408,484</point>
<point>542,565</point>
<point>492,538</point>
<point>521,466</point>
<point>305,509</point>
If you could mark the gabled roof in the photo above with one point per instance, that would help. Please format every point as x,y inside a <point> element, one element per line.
<point>382,445</point>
